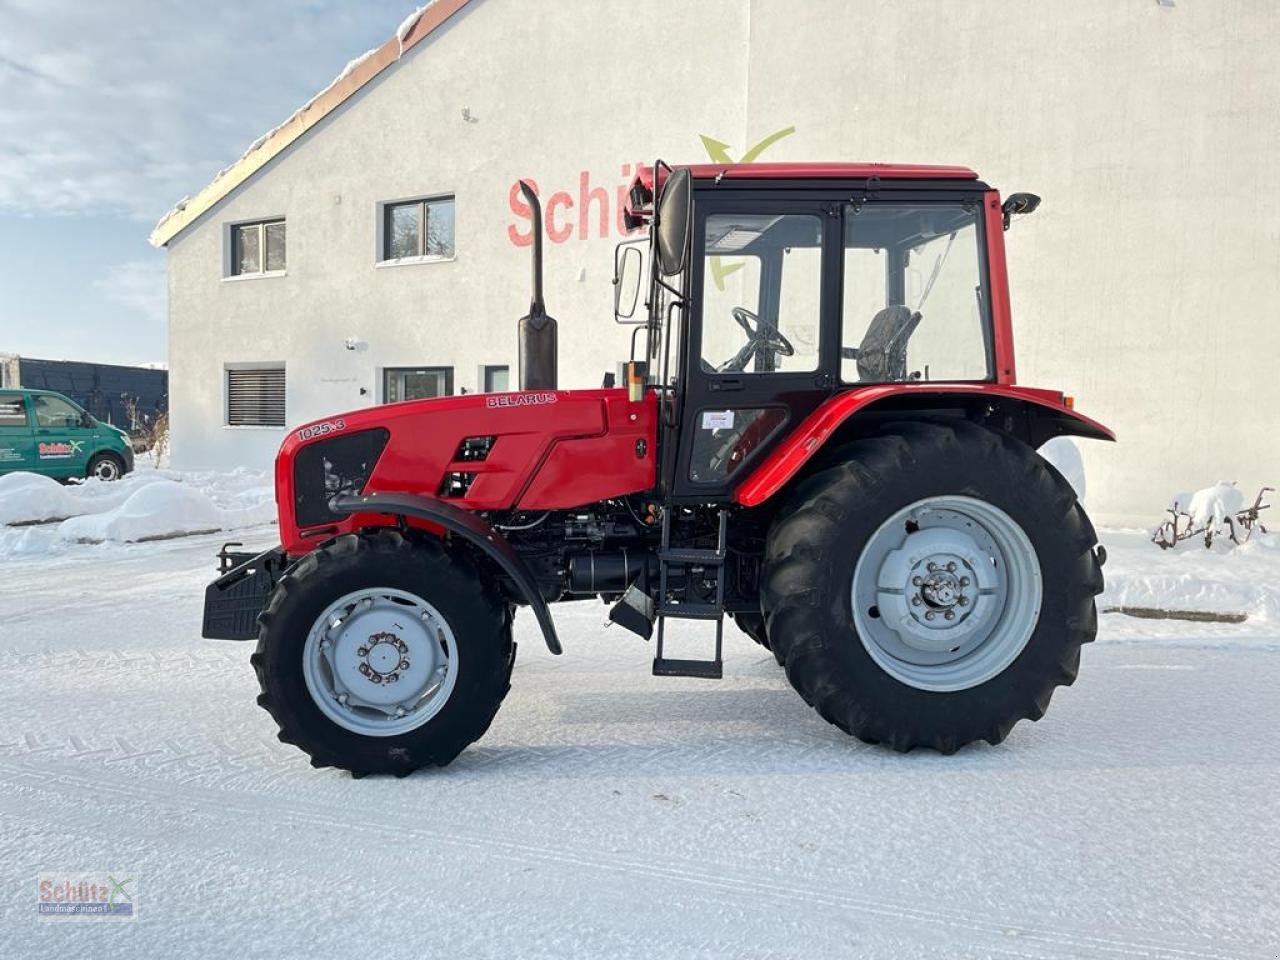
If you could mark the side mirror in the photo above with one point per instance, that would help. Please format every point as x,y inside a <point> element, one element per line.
<point>1018,204</point>
<point>674,208</point>
<point>86,420</point>
<point>627,263</point>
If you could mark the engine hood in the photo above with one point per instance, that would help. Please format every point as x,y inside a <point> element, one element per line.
<point>533,450</point>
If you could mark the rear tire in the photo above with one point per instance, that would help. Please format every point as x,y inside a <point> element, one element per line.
<point>105,466</point>
<point>452,631</point>
<point>847,537</point>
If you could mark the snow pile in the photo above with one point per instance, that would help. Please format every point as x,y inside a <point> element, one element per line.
<point>157,511</point>
<point>408,23</point>
<point>32,498</point>
<point>146,505</point>
<point>1213,507</point>
<point>1063,454</point>
<point>1227,580</point>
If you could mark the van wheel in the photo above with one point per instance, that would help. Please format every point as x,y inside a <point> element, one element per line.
<point>105,466</point>
<point>933,589</point>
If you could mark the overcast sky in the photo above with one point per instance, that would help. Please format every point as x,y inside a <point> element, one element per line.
<point>113,110</point>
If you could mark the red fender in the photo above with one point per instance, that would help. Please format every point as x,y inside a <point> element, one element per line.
<point>789,456</point>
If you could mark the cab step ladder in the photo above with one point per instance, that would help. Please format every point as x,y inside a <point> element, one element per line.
<point>710,561</point>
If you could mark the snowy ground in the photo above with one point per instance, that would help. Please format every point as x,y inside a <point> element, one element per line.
<point>610,814</point>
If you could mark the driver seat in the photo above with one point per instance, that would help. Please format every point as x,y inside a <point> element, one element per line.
<point>882,356</point>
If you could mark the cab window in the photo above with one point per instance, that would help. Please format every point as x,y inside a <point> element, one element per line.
<point>761,293</point>
<point>914,302</point>
<point>55,412</point>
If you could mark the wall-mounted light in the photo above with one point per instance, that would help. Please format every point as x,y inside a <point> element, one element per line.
<point>355,343</point>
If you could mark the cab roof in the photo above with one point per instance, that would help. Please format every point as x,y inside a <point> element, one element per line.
<point>638,206</point>
<point>812,171</point>
<point>828,171</point>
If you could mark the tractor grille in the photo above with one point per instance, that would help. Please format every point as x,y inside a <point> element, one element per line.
<point>325,469</point>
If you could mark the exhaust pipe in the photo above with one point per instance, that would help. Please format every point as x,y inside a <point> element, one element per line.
<point>537,336</point>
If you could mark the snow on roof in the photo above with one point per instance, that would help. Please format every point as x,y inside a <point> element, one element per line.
<point>415,27</point>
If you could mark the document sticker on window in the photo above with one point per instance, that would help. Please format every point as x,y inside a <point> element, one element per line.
<point>717,420</point>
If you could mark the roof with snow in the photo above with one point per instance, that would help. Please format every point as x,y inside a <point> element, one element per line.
<point>416,27</point>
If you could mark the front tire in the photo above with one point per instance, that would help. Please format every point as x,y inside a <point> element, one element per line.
<point>378,655</point>
<point>933,589</point>
<point>752,624</point>
<point>105,466</point>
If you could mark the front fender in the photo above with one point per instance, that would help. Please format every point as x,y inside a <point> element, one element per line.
<point>472,529</point>
<point>1047,412</point>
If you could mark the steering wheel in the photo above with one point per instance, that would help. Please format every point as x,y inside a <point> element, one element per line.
<point>761,336</point>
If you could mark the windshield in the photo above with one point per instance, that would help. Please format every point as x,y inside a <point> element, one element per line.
<point>761,293</point>
<point>913,303</point>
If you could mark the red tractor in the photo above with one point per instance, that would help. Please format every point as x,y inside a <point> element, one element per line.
<point>818,434</point>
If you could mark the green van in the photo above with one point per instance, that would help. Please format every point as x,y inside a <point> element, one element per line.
<point>44,432</point>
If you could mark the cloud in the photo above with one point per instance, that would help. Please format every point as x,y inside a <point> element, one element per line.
<point>121,107</point>
<point>139,286</point>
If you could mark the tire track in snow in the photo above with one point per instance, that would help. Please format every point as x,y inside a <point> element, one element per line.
<point>79,658</point>
<point>716,881</point>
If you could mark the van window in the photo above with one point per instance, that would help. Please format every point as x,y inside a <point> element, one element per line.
<point>13,412</point>
<point>55,412</point>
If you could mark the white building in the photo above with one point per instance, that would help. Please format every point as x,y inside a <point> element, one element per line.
<point>1145,286</point>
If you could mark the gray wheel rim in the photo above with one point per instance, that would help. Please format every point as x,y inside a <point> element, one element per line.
<point>946,593</point>
<point>380,662</point>
<point>106,470</point>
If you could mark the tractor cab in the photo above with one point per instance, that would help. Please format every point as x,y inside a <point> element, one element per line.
<point>774,287</point>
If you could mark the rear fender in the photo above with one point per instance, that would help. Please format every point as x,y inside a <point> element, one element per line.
<point>1030,414</point>
<point>470,528</point>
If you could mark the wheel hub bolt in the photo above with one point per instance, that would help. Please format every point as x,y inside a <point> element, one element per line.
<point>950,614</point>
<point>962,600</point>
<point>916,581</point>
<point>915,601</point>
<point>929,615</point>
<point>951,567</point>
<point>964,581</point>
<point>932,566</point>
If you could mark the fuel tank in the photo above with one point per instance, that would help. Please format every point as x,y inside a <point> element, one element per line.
<point>534,450</point>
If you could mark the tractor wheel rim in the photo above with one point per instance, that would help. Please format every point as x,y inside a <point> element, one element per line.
<point>380,662</point>
<point>106,470</point>
<point>946,593</point>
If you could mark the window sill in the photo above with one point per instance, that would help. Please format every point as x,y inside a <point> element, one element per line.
<point>413,261</point>
<point>251,426</point>
<point>269,275</point>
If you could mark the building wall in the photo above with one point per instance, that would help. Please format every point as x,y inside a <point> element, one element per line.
<point>551,100</point>
<point>1144,286</point>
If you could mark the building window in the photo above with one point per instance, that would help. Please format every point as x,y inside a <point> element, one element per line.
<point>257,249</point>
<point>416,383</point>
<point>255,396</point>
<point>417,229</point>
<point>495,378</point>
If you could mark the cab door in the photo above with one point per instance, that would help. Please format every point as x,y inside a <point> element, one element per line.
<point>64,436</point>
<point>16,450</point>
<point>761,347</point>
